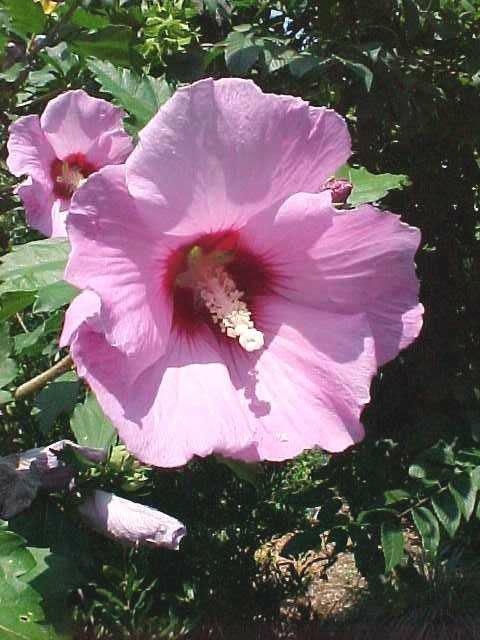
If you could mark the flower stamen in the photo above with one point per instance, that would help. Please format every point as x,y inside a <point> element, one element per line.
<point>224,302</point>
<point>216,290</point>
<point>70,177</point>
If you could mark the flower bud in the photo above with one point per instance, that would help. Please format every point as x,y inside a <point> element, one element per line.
<point>130,522</point>
<point>340,189</point>
<point>23,474</point>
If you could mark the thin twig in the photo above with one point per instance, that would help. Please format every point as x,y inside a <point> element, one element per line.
<point>21,323</point>
<point>38,382</point>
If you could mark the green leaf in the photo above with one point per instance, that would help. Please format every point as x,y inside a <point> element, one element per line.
<point>369,187</point>
<point>26,342</point>
<point>141,96</point>
<point>8,367</point>
<point>58,397</point>
<point>26,17</point>
<point>445,506</point>
<point>90,426</point>
<point>114,43</point>
<point>14,301</point>
<point>464,491</point>
<point>250,472</point>
<point>363,73</point>
<point>61,57</point>
<point>392,544</point>
<point>34,265</point>
<point>392,496</point>
<point>428,529</point>
<point>376,516</point>
<point>241,53</point>
<point>305,62</point>
<point>53,296</point>
<point>21,613</point>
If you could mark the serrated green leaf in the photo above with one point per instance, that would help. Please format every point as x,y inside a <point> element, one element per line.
<point>447,511</point>
<point>90,425</point>
<point>429,530</point>
<point>142,96</point>
<point>58,397</point>
<point>464,490</point>
<point>392,543</point>
<point>34,265</point>
<point>369,187</point>
<point>241,52</point>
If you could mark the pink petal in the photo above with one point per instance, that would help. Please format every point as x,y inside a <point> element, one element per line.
<point>130,522</point>
<point>365,262</point>
<point>44,212</point>
<point>183,405</point>
<point>77,123</point>
<point>84,308</point>
<point>115,256</point>
<point>308,386</point>
<point>29,151</point>
<point>347,262</point>
<point>221,151</point>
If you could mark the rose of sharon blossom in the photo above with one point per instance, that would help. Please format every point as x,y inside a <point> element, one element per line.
<point>228,308</point>
<point>75,136</point>
<point>130,522</point>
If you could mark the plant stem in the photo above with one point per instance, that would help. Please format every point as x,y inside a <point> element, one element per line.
<point>38,382</point>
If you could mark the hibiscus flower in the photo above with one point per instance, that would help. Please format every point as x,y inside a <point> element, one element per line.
<point>75,136</point>
<point>229,307</point>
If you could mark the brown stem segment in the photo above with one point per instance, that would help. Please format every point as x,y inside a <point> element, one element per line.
<point>38,382</point>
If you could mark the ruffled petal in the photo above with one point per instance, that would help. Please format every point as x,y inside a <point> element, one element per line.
<point>183,405</point>
<point>309,384</point>
<point>360,261</point>
<point>29,151</point>
<point>219,152</point>
<point>114,255</point>
<point>77,123</point>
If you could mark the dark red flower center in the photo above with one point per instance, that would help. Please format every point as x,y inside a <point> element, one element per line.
<point>192,268</point>
<point>67,174</point>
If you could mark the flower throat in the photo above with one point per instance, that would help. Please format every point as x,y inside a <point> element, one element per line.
<point>215,290</point>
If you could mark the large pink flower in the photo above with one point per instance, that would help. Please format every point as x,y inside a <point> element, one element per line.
<point>75,136</point>
<point>228,307</point>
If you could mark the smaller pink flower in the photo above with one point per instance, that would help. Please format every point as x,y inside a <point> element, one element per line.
<point>130,522</point>
<point>75,136</point>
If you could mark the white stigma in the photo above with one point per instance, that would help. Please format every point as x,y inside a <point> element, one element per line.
<point>224,302</point>
<point>71,177</point>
